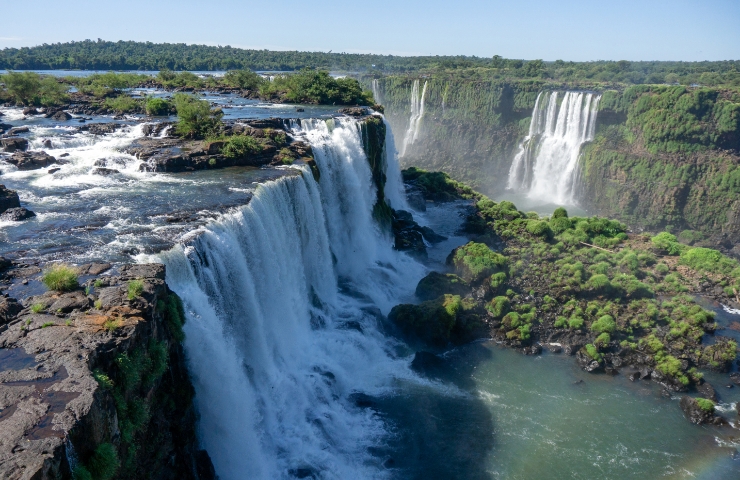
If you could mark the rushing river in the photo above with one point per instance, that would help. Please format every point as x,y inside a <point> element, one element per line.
<point>296,372</point>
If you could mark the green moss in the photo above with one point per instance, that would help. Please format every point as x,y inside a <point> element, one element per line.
<point>593,352</point>
<point>476,261</point>
<point>705,404</point>
<point>499,306</point>
<point>539,228</point>
<point>134,289</point>
<point>604,324</point>
<point>104,462</point>
<point>431,321</point>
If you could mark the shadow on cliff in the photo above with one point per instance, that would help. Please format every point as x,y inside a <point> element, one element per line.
<point>442,429</point>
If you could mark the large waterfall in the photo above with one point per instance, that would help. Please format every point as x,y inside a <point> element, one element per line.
<point>546,164</point>
<point>282,299</point>
<point>417,111</point>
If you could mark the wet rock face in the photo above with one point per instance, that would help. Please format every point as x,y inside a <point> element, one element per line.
<point>697,411</point>
<point>63,383</point>
<point>8,199</point>
<point>32,160</point>
<point>17,214</point>
<point>14,144</point>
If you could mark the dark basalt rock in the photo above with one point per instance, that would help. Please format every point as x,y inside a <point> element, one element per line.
<point>4,127</point>
<point>735,378</point>
<point>409,236</point>
<point>695,414</point>
<point>30,111</point>
<point>104,171</point>
<point>9,308</point>
<point>14,144</point>
<point>587,363</point>
<point>100,128</point>
<point>707,391</point>
<point>16,214</point>
<point>61,115</point>
<point>8,199</point>
<point>437,284</point>
<point>31,160</point>
<point>354,111</point>
<point>416,200</point>
<point>17,130</point>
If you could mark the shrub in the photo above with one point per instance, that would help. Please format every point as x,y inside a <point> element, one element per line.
<point>134,289</point>
<point>122,104</point>
<point>593,352</point>
<point>37,307</point>
<point>662,268</point>
<point>605,323</point>
<point>560,212</point>
<point>599,283</point>
<point>671,366</point>
<point>603,339</point>
<point>240,146</point>
<point>575,323</point>
<point>689,237</point>
<point>195,116</point>
<point>157,107</point>
<point>60,277</point>
<point>23,87</point>
<point>707,259</point>
<point>104,462</point>
<point>499,306</point>
<point>539,228</point>
<point>476,261</point>
<point>246,79</point>
<point>317,86</point>
<point>667,243</point>
<point>705,404</point>
<point>561,322</point>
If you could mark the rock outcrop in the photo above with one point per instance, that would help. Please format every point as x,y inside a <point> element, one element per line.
<point>32,160</point>
<point>96,379</point>
<point>8,199</point>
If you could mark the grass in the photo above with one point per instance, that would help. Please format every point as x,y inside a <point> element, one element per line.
<point>134,289</point>
<point>38,307</point>
<point>60,277</point>
<point>705,404</point>
<point>47,324</point>
<point>111,324</point>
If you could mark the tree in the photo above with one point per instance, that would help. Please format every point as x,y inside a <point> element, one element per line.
<point>196,118</point>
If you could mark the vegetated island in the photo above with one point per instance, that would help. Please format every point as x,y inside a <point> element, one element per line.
<point>618,302</point>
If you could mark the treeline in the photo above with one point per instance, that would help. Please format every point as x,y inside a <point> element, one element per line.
<point>124,55</point>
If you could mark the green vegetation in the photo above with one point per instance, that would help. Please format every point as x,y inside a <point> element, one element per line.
<point>705,404</point>
<point>475,261</point>
<point>196,118</point>
<point>38,307</point>
<point>157,107</point>
<point>134,289</point>
<point>316,86</point>
<point>605,324</point>
<point>28,88</point>
<point>123,104</point>
<point>60,277</point>
<point>245,79</point>
<point>239,146</point>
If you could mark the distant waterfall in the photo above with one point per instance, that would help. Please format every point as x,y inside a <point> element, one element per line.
<point>275,347</point>
<point>417,111</point>
<point>546,164</point>
<point>376,91</point>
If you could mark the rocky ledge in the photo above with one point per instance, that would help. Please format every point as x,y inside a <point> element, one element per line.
<point>93,382</point>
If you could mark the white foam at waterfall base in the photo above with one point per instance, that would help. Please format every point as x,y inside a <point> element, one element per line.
<point>546,163</point>
<point>275,348</point>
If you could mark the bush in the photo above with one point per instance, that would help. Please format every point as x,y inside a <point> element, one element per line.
<point>37,307</point>
<point>559,224</point>
<point>476,261</point>
<point>604,324</point>
<point>706,259</point>
<point>575,323</point>
<point>561,322</point>
<point>593,352</point>
<point>317,86</point>
<point>499,306</point>
<point>603,339</point>
<point>104,462</point>
<point>599,283</point>
<point>60,277</point>
<point>195,116</point>
<point>246,79</point>
<point>705,404</point>
<point>560,212</point>
<point>122,104</point>
<point>23,87</point>
<point>135,288</point>
<point>667,243</point>
<point>240,146</point>
<point>157,107</point>
<point>539,228</point>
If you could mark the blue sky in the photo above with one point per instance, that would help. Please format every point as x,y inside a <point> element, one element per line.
<point>568,29</point>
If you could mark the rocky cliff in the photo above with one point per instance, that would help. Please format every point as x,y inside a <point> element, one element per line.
<point>93,383</point>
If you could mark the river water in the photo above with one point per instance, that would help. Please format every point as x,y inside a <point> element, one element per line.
<point>297,373</point>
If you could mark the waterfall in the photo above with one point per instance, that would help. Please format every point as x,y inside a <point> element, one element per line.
<point>395,192</point>
<point>417,111</point>
<point>545,166</point>
<point>376,91</point>
<point>281,326</point>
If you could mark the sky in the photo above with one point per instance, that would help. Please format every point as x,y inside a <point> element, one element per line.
<point>574,30</point>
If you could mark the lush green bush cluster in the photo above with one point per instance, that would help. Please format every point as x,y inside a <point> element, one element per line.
<point>123,104</point>
<point>245,79</point>
<point>437,186</point>
<point>29,88</point>
<point>475,261</point>
<point>317,86</point>
<point>196,118</point>
<point>157,107</point>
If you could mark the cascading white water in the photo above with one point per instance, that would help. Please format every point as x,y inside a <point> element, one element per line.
<point>376,91</point>
<point>275,347</point>
<point>546,164</point>
<point>395,192</point>
<point>417,111</point>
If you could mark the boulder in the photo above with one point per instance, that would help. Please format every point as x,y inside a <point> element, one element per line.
<point>104,171</point>
<point>4,127</point>
<point>9,308</point>
<point>103,128</point>
<point>31,160</point>
<point>17,130</point>
<point>61,115</point>
<point>30,111</point>
<point>47,143</point>
<point>699,411</point>
<point>8,199</point>
<point>416,200</point>
<point>437,284</point>
<point>735,378</point>
<point>707,391</point>
<point>431,321</point>
<point>354,111</point>
<point>16,214</point>
<point>14,144</point>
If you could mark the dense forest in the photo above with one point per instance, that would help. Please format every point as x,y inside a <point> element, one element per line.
<point>125,55</point>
